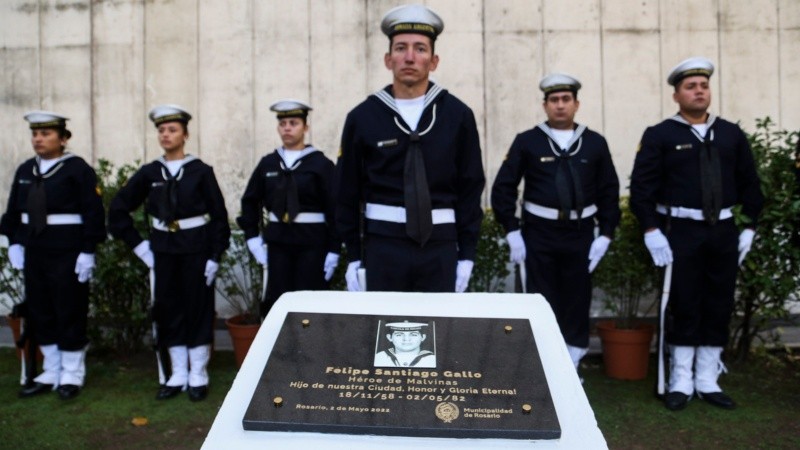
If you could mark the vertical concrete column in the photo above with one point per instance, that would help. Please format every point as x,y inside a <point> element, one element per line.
<point>19,64</point>
<point>632,78</point>
<point>118,121</point>
<point>513,65</point>
<point>66,67</point>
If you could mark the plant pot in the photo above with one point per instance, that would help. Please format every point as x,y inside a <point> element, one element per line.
<point>242,335</point>
<point>626,352</point>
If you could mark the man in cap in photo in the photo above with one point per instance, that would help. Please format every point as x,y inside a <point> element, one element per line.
<point>410,158</point>
<point>571,189</point>
<point>689,171</point>
<point>406,351</point>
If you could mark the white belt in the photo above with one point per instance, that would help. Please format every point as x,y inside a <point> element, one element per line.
<point>181,224</point>
<point>691,213</point>
<point>397,214</point>
<point>58,219</point>
<point>553,214</point>
<point>303,217</point>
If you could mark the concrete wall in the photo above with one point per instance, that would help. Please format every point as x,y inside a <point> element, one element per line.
<point>104,63</point>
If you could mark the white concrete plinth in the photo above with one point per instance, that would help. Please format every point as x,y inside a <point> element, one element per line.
<point>578,425</point>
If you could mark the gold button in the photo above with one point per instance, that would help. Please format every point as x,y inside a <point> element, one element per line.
<point>277,401</point>
<point>306,323</point>
<point>508,328</point>
<point>526,408</point>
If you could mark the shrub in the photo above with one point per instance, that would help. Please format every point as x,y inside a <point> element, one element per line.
<point>626,273</point>
<point>12,286</point>
<point>769,274</point>
<point>239,279</point>
<point>491,262</point>
<point>120,291</point>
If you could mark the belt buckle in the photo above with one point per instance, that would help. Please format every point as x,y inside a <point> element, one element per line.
<point>173,226</point>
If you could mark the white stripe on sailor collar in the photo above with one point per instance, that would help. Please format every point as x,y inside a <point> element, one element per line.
<point>575,137</point>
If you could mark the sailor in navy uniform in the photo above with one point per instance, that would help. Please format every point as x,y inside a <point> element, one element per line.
<point>189,233</point>
<point>570,208</point>
<point>294,185</point>
<point>410,160</point>
<point>690,170</point>
<point>54,222</point>
<point>406,350</point>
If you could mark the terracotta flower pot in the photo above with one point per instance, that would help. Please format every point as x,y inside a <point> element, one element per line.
<point>242,335</point>
<point>626,352</point>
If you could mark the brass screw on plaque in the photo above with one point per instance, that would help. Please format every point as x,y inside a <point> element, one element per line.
<point>526,408</point>
<point>277,401</point>
<point>508,328</point>
<point>306,323</point>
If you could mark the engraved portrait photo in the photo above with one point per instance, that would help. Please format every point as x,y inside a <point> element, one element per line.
<point>403,343</point>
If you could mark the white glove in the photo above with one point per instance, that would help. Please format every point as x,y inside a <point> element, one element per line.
<point>351,277</point>
<point>745,242</point>
<point>16,256</point>
<point>517,246</point>
<point>463,272</point>
<point>257,249</point>
<point>84,267</point>
<point>331,261</point>
<point>143,252</point>
<point>211,271</point>
<point>658,245</point>
<point>597,251</point>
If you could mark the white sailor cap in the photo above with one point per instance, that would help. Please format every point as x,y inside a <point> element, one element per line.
<point>556,82</point>
<point>690,67</point>
<point>289,107</point>
<point>406,326</point>
<point>169,113</point>
<point>47,119</point>
<point>417,19</point>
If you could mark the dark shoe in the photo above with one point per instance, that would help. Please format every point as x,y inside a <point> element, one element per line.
<point>676,401</point>
<point>197,393</point>
<point>166,392</point>
<point>35,389</point>
<point>719,399</point>
<point>68,391</point>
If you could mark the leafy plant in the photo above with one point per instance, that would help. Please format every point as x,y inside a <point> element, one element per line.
<point>12,285</point>
<point>239,279</point>
<point>491,262</point>
<point>769,274</point>
<point>120,292</point>
<point>626,273</point>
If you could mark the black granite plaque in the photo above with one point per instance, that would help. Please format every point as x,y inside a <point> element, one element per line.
<point>471,378</point>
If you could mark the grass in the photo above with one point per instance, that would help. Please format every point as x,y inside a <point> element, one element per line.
<point>122,388</point>
<point>117,390</point>
<point>767,391</point>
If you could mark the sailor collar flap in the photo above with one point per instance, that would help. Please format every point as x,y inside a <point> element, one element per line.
<point>709,124</point>
<point>434,92</point>
<point>165,173</point>
<point>281,152</point>
<point>56,167</point>
<point>576,137</point>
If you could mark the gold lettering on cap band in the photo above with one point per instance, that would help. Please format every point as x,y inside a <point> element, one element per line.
<point>51,124</point>
<point>559,87</point>
<point>292,112</point>
<point>690,72</point>
<point>422,27</point>
<point>169,118</point>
